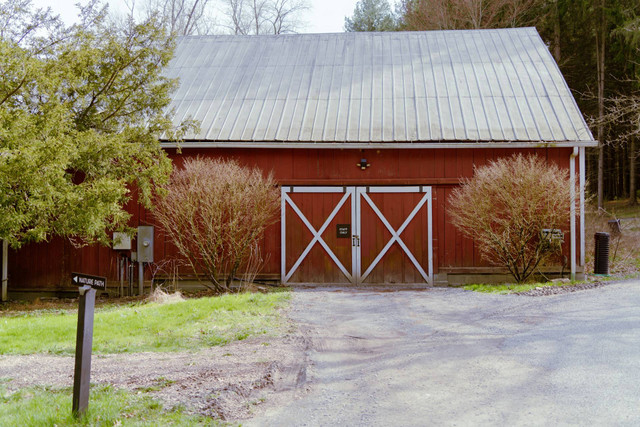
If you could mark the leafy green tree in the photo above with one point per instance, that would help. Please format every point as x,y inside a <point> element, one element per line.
<point>371,15</point>
<point>81,112</point>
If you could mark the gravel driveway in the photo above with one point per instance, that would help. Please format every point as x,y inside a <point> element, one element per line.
<point>452,357</point>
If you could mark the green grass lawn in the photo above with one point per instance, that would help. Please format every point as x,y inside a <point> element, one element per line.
<point>41,406</point>
<point>621,209</point>
<point>183,325</point>
<point>510,288</point>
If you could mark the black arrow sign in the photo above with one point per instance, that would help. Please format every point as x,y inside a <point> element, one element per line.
<point>95,282</point>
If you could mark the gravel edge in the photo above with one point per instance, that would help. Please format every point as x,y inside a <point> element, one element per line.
<point>543,291</point>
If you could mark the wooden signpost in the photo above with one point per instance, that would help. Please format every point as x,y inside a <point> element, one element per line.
<point>87,286</point>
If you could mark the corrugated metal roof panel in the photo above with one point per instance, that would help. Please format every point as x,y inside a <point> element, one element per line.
<point>471,85</point>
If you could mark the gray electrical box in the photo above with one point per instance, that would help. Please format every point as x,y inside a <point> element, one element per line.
<point>145,243</point>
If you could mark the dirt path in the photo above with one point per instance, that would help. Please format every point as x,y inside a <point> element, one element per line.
<point>233,382</point>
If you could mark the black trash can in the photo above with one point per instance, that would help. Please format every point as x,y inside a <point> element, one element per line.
<point>601,263</point>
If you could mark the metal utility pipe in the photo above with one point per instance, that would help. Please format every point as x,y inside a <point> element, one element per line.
<point>140,278</point>
<point>5,268</point>
<point>122,274</point>
<point>572,180</point>
<point>130,271</point>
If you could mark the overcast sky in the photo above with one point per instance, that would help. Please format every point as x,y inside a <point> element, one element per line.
<point>324,16</point>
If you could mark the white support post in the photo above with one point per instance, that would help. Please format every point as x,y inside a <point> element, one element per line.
<point>572,183</point>
<point>5,269</point>
<point>430,235</point>
<point>283,240</point>
<point>582,218</point>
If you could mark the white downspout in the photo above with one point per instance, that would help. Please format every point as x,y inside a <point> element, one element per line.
<point>582,218</point>
<point>572,192</point>
<point>5,269</point>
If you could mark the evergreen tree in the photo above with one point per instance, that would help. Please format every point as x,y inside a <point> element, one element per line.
<point>371,15</point>
<point>81,113</point>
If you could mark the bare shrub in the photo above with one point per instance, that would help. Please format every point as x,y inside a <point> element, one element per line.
<point>214,213</point>
<point>505,207</point>
<point>253,264</point>
<point>169,271</point>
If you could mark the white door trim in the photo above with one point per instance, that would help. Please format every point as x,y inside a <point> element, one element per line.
<point>357,194</point>
<point>395,234</point>
<point>317,235</point>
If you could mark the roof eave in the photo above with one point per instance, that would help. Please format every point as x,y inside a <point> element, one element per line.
<point>377,145</point>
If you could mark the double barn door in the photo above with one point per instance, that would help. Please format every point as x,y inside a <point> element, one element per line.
<point>342,235</point>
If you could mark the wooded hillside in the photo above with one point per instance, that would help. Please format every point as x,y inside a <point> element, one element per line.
<point>596,44</point>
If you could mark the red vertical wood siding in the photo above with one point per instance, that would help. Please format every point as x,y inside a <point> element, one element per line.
<point>39,266</point>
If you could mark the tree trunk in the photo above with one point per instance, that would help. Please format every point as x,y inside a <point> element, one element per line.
<point>632,171</point>
<point>623,171</point>
<point>600,46</point>
<point>256,16</point>
<point>556,32</point>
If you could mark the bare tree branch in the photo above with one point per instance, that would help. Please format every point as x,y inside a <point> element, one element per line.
<point>467,14</point>
<point>182,17</point>
<point>264,16</point>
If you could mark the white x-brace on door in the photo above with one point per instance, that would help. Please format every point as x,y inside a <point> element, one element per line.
<point>355,198</point>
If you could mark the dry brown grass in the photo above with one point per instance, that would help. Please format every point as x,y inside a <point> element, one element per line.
<point>624,249</point>
<point>161,297</point>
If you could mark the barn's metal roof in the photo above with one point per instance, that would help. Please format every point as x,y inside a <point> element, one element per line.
<point>433,86</point>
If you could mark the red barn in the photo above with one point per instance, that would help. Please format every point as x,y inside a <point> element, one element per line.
<point>367,133</point>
